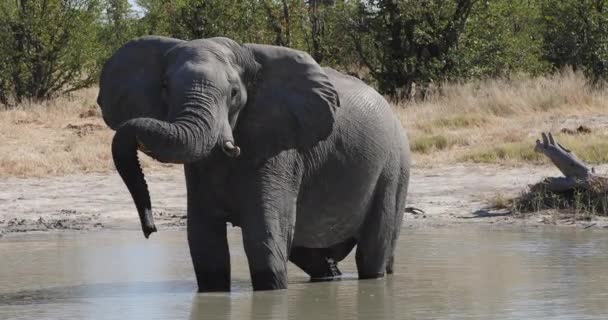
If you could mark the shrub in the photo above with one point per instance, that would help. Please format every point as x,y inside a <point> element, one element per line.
<point>575,34</point>
<point>48,47</point>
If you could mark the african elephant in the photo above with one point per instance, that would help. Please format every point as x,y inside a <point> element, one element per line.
<point>308,162</point>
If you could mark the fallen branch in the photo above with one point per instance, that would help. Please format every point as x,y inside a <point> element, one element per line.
<point>566,161</point>
<point>580,188</point>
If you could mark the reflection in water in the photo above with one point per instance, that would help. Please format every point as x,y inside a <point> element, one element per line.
<point>245,305</point>
<point>347,299</point>
<point>446,272</point>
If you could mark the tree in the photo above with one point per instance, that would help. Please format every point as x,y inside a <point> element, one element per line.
<point>119,24</point>
<point>241,20</point>
<point>159,17</point>
<point>500,38</point>
<point>329,41</point>
<point>288,21</point>
<point>48,47</point>
<point>276,22</point>
<point>409,41</point>
<point>316,26</point>
<point>576,34</point>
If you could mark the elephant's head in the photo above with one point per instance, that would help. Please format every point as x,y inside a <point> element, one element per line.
<point>180,101</point>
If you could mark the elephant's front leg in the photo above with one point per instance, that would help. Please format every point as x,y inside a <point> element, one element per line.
<point>210,254</point>
<point>206,236</point>
<point>267,226</point>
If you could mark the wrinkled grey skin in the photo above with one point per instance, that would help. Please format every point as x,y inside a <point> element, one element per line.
<point>306,160</point>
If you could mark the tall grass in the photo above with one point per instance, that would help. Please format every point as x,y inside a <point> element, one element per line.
<point>57,137</point>
<point>489,121</point>
<point>498,120</point>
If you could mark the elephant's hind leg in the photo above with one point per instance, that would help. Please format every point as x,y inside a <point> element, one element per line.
<point>376,241</point>
<point>400,200</point>
<point>321,264</point>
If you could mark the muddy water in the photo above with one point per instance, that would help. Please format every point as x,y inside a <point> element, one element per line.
<point>455,273</point>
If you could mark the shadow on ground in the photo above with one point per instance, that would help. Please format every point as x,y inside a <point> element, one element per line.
<point>487,213</point>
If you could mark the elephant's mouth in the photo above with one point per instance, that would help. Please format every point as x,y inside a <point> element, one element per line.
<point>141,147</point>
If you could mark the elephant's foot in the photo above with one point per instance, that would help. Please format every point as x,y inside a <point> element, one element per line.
<point>213,282</point>
<point>331,273</point>
<point>316,262</point>
<point>269,280</point>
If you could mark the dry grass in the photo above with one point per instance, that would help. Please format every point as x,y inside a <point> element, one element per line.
<point>498,120</point>
<point>500,201</point>
<point>581,202</point>
<point>59,137</point>
<point>592,149</point>
<point>492,121</point>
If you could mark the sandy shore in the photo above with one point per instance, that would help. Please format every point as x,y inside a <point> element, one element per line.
<point>448,195</point>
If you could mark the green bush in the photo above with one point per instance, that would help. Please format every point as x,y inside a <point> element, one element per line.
<point>576,34</point>
<point>409,42</point>
<point>119,25</point>
<point>403,47</point>
<point>48,47</point>
<point>501,38</point>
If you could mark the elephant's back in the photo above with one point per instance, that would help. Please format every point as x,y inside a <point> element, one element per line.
<point>362,105</point>
<point>342,172</point>
<point>365,117</point>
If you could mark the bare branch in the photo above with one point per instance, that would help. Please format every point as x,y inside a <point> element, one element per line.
<point>570,165</point>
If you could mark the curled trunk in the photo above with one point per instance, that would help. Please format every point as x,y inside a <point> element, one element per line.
<point>183,141</point>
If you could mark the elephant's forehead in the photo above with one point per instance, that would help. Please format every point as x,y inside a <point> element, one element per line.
<point>198,73</point>
<point>203,50</point>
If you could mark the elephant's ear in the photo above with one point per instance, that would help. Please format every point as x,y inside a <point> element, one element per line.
<point>291,104</point>
<point>131,81</point>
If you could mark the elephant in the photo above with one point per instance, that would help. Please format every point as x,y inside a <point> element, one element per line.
<point>307,161</point>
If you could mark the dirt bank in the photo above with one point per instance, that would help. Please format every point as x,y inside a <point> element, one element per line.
<point>447,194</point>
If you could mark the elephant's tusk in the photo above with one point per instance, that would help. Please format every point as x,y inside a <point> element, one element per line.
<point>231,150</point>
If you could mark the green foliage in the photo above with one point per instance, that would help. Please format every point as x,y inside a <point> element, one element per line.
<point>402,47</point>
<point>335,43</point>
<point>314,26</point>
<point>48,47</point>
<point>241,20</point>
<point>120,25</point>
<point>211,18</point>
<point>409,41</point>
<point>501,38</point>
<point>576,34</point>
<point>158,16</point>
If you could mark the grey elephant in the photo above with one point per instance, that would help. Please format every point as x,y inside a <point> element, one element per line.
<point>308,162</point>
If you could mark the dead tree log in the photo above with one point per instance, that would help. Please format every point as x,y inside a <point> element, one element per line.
<point>580,189</point>
<point>576,173</point>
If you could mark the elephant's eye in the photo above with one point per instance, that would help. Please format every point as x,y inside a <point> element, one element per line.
<point>234,92</point>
